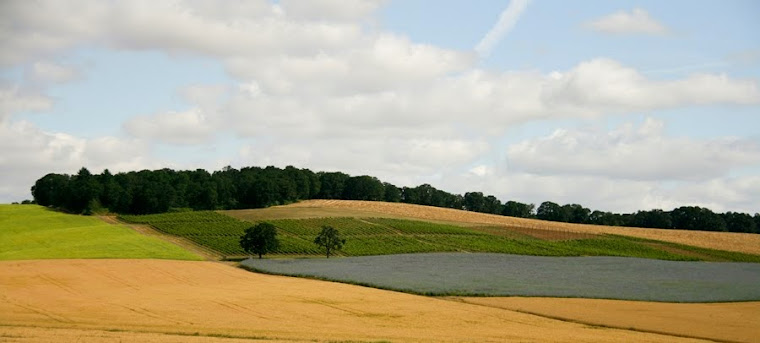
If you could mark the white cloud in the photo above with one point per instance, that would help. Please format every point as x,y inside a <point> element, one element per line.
<point>53,72</point>
<point>604,85</point>
<point>610,194</point>
<point>637,21</point>
<point>311,102</point>
<point>193,126</point>
<point>317,87</point>
<point>29,153</point>
<point>507,20</point>
<point>634,153</point>
<point>399,160</point>
<point>330,10</point>
<point>13,99</point>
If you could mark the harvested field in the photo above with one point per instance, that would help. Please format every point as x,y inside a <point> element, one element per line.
<point>136,300</point>
<point>56,335</point>
<point>731,322</point>
<point>739,242</point>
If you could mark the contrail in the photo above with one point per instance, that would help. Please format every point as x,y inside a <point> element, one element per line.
<point>507,20</point>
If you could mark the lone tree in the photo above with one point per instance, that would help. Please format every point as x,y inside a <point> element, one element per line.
<point>260,239</point>
<point>329,238</point>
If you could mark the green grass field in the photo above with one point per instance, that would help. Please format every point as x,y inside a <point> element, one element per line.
<point>386,236</point>
<point>35,232</point>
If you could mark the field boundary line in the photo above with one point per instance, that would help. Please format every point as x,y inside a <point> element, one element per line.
<point>595,325</point>
<point>149,230</point>
<point>168,333</point>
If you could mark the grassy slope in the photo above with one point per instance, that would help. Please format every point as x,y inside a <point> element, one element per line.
<point>34,232</point>
<point>382,236</point>
<point>738,242</point>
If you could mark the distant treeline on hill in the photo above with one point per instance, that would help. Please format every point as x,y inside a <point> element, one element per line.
<point>167,190</point>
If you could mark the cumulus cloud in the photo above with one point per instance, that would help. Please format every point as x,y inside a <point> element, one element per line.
<point>487,103</point>
<point>507,20</point>
<point>52,72</point>
<point>193,126</point>
<point>605,85</point>
<point>14,99</point>
<point>634,153</point>
<point>330,10</point>
<point>637,21</point>
<point>612,194</point>
<point>399,160</point>
<point>29,153</point>
<point>314,87</point>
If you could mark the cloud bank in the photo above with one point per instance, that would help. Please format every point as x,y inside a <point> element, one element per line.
<point>311,85</point>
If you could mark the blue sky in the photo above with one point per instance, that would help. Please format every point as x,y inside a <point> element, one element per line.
<point>618,106</point>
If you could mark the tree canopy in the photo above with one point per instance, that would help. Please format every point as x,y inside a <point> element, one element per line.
<point>329,239</point>
<point>156,191</point>
<point>260,239</point>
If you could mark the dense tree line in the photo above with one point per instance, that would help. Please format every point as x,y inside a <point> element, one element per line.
<point>156,191</point>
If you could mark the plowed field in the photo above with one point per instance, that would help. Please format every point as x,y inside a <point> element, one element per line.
<point>740,242</point>
<point>168,301</point>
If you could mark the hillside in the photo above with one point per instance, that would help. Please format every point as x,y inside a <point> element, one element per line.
<point>739,242</point>
<point>35,232</point>
<point>380,235</point>
<point>149,300</point>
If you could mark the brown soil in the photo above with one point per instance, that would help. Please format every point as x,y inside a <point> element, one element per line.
<point>724,322</point>
<point>161,301</point>
<point>740,242</point>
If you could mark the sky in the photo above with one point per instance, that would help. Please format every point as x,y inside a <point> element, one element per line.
<point>615,105</point>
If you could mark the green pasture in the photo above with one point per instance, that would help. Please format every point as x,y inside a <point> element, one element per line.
<point>387,236</point>
<point>35,232</point>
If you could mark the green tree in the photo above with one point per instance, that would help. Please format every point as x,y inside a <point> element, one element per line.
<point>576,213</point>
<point>518,209</point>
<point>658,219</point>
<point>474,201</point>
<point>696,218</point>
<point>260,239</point>
<point>363,187</point>
<point>551,211</point>
<point>391,193</point>
<point>329,239</point>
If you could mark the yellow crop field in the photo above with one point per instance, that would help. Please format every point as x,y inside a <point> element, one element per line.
<point>175,301</point>
<point>739,242</point>
<point>732,322</point>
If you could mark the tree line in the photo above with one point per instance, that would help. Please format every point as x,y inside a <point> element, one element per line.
<point>164,190</point>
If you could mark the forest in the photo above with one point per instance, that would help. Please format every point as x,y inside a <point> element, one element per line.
<point>167,190</point>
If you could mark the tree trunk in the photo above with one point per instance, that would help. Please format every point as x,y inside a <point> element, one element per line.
<point>259,256</point>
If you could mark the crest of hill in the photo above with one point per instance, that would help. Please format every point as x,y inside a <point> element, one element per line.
<point>729,241</point>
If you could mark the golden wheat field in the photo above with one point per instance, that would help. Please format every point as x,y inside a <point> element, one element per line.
<point>731,322</point>
<point>175,301</point>
<point>740,242</point>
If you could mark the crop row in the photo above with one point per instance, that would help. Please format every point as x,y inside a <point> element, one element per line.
<point>421,227</point>
<point>383,236</point>
<point>216,231</point>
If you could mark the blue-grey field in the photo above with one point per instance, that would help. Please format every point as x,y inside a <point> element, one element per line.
<point>514,275</point>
